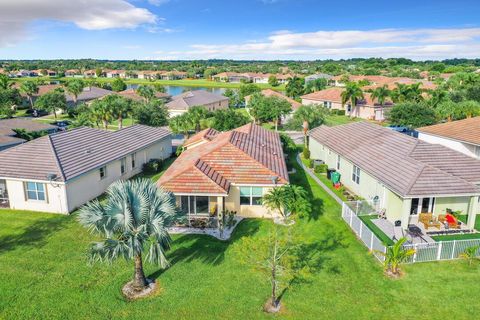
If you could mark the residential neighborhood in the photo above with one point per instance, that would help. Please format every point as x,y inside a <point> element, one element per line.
<point>302,160</point>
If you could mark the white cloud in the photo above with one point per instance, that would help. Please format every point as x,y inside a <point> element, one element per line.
<point>16,15</point>
<point>409,43</point>
<point>158,2</point>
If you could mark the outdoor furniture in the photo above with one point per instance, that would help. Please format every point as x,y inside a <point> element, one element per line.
<point>429,220</point>
<point>414,230</point>
<point>452,222</point>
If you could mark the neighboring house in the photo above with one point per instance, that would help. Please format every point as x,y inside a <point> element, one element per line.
<point>380,81</point>
<point>403,175</point>
<point>147,75</point>
<point>236,77</point>
<point>7,135</point>
<point>115,74</point>
<point>72,73</point>
<point>132,94</point>
<point>23,73</point>
<point>462,135</point>
<point>92,73</point>
<point>172,75</point>
<point>318,76</point>
<point>182,102</point>
<point>272,93</point>
<point>88,94</point>
<point>233,77</point>
<point>227,171</point>
<point>331,98</point>
<point>61,172</point>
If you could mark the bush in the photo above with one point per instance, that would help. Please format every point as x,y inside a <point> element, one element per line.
<point>306,153</point>
<point>153,166</point>
<point>341,112</point>
<point>287,143</point>
<point>311,163</point>
<point>321,168</point>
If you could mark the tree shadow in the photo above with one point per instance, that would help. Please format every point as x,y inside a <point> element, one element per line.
<point>35,235</point>
<point>206,249</point>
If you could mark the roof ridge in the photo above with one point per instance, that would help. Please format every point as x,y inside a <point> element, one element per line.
<point>201,162</point>
<point>57,160</point>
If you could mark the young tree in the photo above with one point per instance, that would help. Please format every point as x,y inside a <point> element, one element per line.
<point>146,92</point>
<point>295,87</point>
<point>412,115</point>
<point>153,114</point>
<point>98,72</point>
<point>352,93</point>
<point>29,88</point>
<point>273,81</point>
<point>394,256</point>
<point>307,117</point>
<point>134,220</point>
<point>381,94</point>
<point>196,114</point>
<point>228,119</point>
<point>119,107</point>
<point>75,87</point>
<point>101,112</point>
<point>118,85</point>
<point>180,124</point>
<point>52,101</point>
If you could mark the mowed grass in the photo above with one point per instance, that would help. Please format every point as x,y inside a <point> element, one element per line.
<point>44,274</point>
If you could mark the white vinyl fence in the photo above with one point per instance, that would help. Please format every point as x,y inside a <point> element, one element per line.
<point>363,232</point>
<point>431,251</point>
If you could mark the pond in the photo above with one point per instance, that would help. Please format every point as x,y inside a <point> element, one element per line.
<point>176,90</point>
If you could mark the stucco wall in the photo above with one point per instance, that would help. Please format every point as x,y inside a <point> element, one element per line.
<point>464,148</point>
<point>55,203</point>
<point>457,203</point>
<point>232,202</point>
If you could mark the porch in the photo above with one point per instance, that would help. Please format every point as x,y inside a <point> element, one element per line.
<point>4,202</point>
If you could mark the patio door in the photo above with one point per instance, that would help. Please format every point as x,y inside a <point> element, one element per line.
<point>195,205</point>
<point>3,194</point>
<point>422,205</point>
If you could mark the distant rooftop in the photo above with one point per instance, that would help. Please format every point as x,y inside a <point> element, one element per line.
<point>466,130</point>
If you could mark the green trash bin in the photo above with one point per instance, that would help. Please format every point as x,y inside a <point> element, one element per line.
<point>336,177</point>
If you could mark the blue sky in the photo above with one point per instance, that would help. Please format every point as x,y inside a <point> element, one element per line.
<point>241,29</point>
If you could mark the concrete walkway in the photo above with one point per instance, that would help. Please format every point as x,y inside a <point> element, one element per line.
<point>318,181</point>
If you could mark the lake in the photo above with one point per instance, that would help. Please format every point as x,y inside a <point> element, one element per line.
<point>176,90</point>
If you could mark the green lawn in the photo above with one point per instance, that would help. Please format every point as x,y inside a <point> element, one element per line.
<point>462,218</point>
<point>44,275</point>
<point>367,219</point>
<point>335,120</point>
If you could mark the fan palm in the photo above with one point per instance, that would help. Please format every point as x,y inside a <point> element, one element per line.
<point>296,199</point>
<point>29,88</point>
<point>134,220</point>
<point>381,94</point>
<point>395,255</point>
<point>146,92</point>
<point>75,87</point>
<point>196,114</point>
<point>352,93</point>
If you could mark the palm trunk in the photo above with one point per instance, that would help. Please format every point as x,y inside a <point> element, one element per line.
<point>31,101</point>
<point>120,122</point>
<point>55,114</point>
<point>276,124</point>
<point>139,280</point>
<point>105,124</point>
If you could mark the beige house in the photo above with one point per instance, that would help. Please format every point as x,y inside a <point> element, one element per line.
<point>181,103</point>
<point>61,172</point>
<point>404,176</point>
<point>331,98</point>
<point>227,171</point>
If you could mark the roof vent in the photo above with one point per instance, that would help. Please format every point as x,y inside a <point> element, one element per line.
<point>51,176</point>
<point>89,151</point>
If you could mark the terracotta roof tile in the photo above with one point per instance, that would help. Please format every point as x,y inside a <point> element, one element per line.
<point>466,130</point>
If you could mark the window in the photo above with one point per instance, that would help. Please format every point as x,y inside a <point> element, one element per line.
<point>103,172</point>
<point>194,204</point>
<point>35,191</point>
<point>134,159</point>
<point>251,196</point>
<point>123,165</point>
<point>338,162</point>
<point>477,151</point>
<point>356,174</point>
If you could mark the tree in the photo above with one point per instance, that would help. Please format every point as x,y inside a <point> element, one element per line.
<point>412,115</point>
<point>437,96</point>
<point>470,254</point>
<point>52,101</point>
<point>180,124</point>
<point>381,94</point>
<point>307,117</point>
<point>118,85</point>
<point>118,106</point>
<point>101,112</point>
<point>246,90</point>
<point>10,97</point>
<point>75,87</point>
<point>133,221</point>
<point>266,109</point>
<point>153,113</point>
<point>407,93</point>
<point>394,256</point>
<point>277,200</point>
<point>316,85</point>
<point>5,82</point>
<point>196,114</point>
<point>6,111</point>
<point>447,110</point>
<point>233,97</point>
<point>273,81</point>
<point>98,72</point>
<point>146,92</point>
<point>29,88</point>
<point>228,119</point>
<point>297,200</point>
<point>159,88</point>
<point>468,109</point>
<point>352,93</point>
<point>295,87</point>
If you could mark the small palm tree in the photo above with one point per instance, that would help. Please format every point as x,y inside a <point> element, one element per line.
<point>118,106</point>
<point>29,88</point>
<point>196,114</point>
<point>276,200</point>
<point>352,93</point>
<point>381,94</point>
<point>395,255</point>
<point>75,87</point>
<point>134,220</point>
<point>470,254</point>
<point>102,112</point>
<point>146,92</point>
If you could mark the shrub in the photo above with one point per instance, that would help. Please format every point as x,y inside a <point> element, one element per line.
<point>153,166</point>
<point>287,143</point>
<point>321,168</point>
<point>311,163</point>
<point>306,153</point>
<point>341,112</point>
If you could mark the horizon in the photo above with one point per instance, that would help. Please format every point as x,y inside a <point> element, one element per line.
<point>250,30</point>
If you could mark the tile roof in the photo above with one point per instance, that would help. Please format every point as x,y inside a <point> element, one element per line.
<point>466,130</point>
<point>248,155</point>
<point>89,93</point>
<point>132,94</point>
<point>272,93</point>
<point>7,126</point>
<point>193,98</point>
<point>335,95</point>
<point>408,166</point>
<point>75,152</point>
<point>206,134</point>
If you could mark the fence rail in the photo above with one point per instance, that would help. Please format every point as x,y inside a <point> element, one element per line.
<point>424,252</point>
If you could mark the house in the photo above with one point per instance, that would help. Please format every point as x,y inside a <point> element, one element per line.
<point>233,77</point>
<point>380,81</point>
<point>283,78</point>
<point>92,73</point>
<point>182,102</point>
<point>318,76</point>
<point>132,94</point>
<point>72,73</point>
<point>23,73</point>
<point>116,74</point>
<point>8,136</point>
<point>59,173</point>
<point>227,171</point>
<point>331,98</point>
<point>462,135</point>
<point>172,75</point>
<point>88,94</point>
<point>403,175</point>
<point>147,75</point>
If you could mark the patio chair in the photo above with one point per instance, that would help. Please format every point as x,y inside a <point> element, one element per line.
<point>452,222</point>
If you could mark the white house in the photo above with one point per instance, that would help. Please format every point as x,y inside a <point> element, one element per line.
<point>462,135</point>
<point>61,172</point>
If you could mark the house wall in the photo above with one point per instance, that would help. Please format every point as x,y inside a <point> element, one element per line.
<point>89,185</point>
<point>465,148</point>
<point>232,202</point>
<point>454,203</point>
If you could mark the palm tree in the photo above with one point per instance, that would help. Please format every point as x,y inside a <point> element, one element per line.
<point>75,87</point>
<point>277,200</point>
<point>102,112</point>
<point>395,255</point>
<point>119,107</point>
<point>381,94</point>
<point>437,96</point>
<point>352,93</point>
<point>135,219</point>
<point>180,124</point>
<point>296,199</point>
<point>196,114</point>
<point>5,82</point>
<point>146,92</point>
<point>29,88</point>
<point>470,254</point>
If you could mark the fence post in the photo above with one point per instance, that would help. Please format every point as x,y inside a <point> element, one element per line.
<point>453,249</point>
<point>360,231</point>
<point>351,217</point>
<point>415,254</point>
<point>371,241</point>
<point>439,251</point>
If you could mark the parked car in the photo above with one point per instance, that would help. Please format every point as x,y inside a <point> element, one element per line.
<point>36,113</point>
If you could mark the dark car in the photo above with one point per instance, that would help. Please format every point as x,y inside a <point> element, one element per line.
<point>36,113</point>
